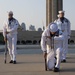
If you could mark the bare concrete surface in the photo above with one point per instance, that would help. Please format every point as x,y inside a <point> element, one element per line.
<point>30,62</point>
<point>31,47</point>
<point>33,64</point>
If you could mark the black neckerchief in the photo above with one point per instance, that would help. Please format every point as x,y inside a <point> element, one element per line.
<point>10,20</point>
<point>62,19</point>
<point>52,35</point>
<point>52,38</point>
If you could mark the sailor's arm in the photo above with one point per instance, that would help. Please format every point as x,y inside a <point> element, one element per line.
<point>4,30</point>
<point>60,37</point>
<point>69,29</point>
<point>43,43</point>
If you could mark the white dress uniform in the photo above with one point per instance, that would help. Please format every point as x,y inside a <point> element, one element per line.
<point>65,28</point>
<point>11,27</point>
<point>51,53</point>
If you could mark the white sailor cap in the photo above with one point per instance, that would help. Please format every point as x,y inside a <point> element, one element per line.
<point>53,27</point>
<point>61,11</point>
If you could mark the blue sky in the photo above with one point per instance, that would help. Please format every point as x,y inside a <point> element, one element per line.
<point>32,11</point>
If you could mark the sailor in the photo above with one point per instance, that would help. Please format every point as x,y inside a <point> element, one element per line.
<point>64,25</point>
<point>51,45</point>
<point>10,31</point>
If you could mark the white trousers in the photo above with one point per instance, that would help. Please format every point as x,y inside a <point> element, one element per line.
<point>12,40</point>
<point>51,60</point>
<point>65,47</point>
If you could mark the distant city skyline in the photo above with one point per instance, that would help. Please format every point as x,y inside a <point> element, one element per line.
<point>33,12</point>
<point>30,28</point>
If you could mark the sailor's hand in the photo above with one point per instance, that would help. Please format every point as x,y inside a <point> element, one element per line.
<point>48,37</point>
<point>7,32</point>
<point>45,54</point>
<point>5,39</point>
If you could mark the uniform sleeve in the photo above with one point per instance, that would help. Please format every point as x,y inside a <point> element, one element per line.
<point>69,28</point>
<point>15,27</point>
<point>60,37</point>
<point>43,42</point>
<point>4,30</point>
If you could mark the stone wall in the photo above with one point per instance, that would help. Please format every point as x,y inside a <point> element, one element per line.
<point>33,37</point>
<point>29,37</point>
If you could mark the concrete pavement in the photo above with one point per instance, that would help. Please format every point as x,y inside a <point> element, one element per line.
<point>33,64</point>
<point>32,46</point>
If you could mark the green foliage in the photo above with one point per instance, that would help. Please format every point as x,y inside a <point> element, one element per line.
<point>1,37</point>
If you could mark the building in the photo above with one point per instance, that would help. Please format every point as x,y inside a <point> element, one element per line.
<point>34,37</point>
<point>39,29</point>
<point>23,26</point>
<point>32,28</point>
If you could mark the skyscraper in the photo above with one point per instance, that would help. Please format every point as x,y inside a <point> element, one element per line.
<point>52,8</point>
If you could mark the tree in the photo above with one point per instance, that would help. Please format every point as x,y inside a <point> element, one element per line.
<point>39,29</point>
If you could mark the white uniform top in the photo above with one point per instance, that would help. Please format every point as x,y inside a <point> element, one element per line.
<point>10,27</point>
<point>46,42</point>
<point>64,27</point>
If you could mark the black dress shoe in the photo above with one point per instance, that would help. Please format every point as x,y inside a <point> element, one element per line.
<point>11,61</point>
<point>54,65</point>
<point>14,62</point>
<point>63,61</point>
<point>56,69</point>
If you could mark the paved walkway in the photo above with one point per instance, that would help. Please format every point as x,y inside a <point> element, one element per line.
<point>31,46</point>
<point>33,64</point>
